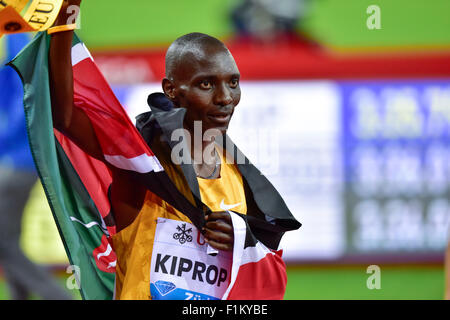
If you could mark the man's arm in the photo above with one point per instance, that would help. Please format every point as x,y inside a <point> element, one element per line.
<point>68,119</point>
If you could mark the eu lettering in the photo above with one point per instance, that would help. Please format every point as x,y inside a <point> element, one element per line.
<point>44,7</point>
<point>37,19</point>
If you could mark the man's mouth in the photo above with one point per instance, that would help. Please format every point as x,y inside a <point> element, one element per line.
<point>221,118</point>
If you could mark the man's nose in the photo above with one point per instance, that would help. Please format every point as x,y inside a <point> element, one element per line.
<point>222,96</point>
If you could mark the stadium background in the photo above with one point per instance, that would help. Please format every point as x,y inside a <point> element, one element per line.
<point>352,125</point>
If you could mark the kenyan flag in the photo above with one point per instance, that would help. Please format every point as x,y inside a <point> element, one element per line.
<point>76,185</point>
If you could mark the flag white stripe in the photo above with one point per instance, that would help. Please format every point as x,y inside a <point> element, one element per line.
<point>106,253</point>
<point>87,225</point>
<point>239,229</point>
<point>255,254</point>
<point>142,164</point>
<point>79,53</point>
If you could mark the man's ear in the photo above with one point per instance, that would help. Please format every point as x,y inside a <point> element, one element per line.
<point>169,89</point>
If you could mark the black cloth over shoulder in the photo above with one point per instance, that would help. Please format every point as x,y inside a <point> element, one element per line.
<point>267,214</point>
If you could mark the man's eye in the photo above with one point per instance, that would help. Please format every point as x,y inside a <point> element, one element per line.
<point>205,84</point>
<point>234,83</point>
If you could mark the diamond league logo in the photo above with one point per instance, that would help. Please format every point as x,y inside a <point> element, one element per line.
<point>183,235</point>
<point>165,287</point>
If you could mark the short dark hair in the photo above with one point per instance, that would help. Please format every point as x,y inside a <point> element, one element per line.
<point>191,43</point>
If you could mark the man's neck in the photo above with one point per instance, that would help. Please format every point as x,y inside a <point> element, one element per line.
<point>203,153</point>
<point>204,157</point>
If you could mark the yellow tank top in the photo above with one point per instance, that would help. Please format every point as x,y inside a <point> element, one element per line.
<point>134,244</point>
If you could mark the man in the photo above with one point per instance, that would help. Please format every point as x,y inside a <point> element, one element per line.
<point>201,86</point>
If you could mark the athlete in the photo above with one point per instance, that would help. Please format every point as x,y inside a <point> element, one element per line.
<point>201,85</point>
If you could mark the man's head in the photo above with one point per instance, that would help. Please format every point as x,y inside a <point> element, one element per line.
<point>202,76</point>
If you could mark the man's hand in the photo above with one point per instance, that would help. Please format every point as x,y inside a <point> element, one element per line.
<point>72,3</point>
<point>218,231</point>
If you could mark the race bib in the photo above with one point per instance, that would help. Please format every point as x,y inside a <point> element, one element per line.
<point>181,268</point>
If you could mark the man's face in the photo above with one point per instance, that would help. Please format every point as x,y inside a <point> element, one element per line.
<point>207,85</point>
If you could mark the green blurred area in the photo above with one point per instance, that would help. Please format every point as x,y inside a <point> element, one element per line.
<point>410,282</point>
<point>346,283</point>
<point>138,23</point>
<point>75,294</point>
<point>403,23</point>
<point>334,23</point>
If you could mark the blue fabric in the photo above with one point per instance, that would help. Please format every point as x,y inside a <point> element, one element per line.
<point>14,147</point>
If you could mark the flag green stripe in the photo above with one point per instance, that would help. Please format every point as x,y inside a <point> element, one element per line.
<point>96,283</point>
<point>57,174</point>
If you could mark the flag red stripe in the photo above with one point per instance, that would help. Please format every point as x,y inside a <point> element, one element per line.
<point>115,131</point>
<point>94,175</point>
<point>265,279</point>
